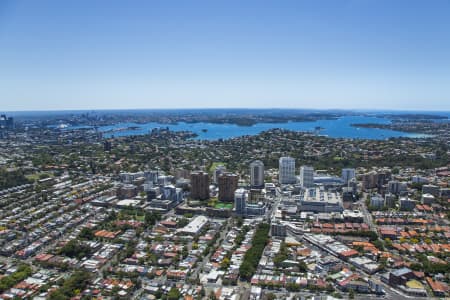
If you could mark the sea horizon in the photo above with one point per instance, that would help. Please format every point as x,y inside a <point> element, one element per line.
<point>233,109</point>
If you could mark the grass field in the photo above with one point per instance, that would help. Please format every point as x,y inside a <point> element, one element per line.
<point>214,202</point>
<point>222,205</point>
<point>215,164</point>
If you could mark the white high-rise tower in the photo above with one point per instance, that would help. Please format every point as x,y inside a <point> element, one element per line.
<point>257,174</point>
<point>306,176</point>
<point>287,170</point>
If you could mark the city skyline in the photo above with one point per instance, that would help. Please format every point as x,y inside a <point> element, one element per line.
<point>155,55</point>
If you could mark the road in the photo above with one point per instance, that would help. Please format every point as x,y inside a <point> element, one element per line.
<point>205,259</point>
<point>367,215</point>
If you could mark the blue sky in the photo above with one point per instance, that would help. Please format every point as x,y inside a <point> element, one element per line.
<point>361,54</point>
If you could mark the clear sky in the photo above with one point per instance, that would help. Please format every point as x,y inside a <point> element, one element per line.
<point>362,54</point>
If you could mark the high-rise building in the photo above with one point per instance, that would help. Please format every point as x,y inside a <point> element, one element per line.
<point>107,145</point>
<point>152,176</point>
<point>348,174</point>
<point>306,176</point>
<point>257,174</point>
<point>390,200</point>
<point>407,204</point>
<point>244,208</point>
<point>199,185</point>
<point>219,170</point>
<point>278,229</point>
<point>286,168</point>
<point>182,173</point>
<point>376,201</point>
<point>369,180</point>
<point>6,122</point>
<point>396,187</point>
<point>227,186</point>
<point>170,192</point>
<point>240,201</point>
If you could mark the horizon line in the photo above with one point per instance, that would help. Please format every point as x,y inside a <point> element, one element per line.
<point>232,108</point>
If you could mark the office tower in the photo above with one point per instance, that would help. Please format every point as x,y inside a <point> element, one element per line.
<point>396,187</point>
<point>389,200</point>
<point>407,204</point>
<point>240,201</point>
<point>347,175</point>
<point>217,172</point>
<point>376,201</point>
<point>152,176</point>
<point>278,229</point>
<point>257,174</point>
<point>199,185</point>
<point>287,170</point>
<point>169,192</point>
<point>182,173</point>
<point>227,186</point>
<point>369,180</point>
<point>6,122</point>
<point>107,145</point>
<point>306,176</point>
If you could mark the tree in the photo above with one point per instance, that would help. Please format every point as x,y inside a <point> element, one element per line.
<point>351,294</point>
<point>225,263</point>
<point>388,242</point>
<point>271,296</point>
<point>23,271</point>
<point>252,256</point>
<point>184,252</point>
<point>76,282</point>
<point>212,296</point>
<point>174,294</point>
<point>75,249</point>
<point>282,255</point>
<point>86,234</point>
<point>378,244</point>
<point>239,222</point>
<point>183,222</point>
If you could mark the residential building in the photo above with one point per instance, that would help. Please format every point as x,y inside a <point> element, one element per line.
<point>219,170</point>
<point>306,176</point>
<point>348,174</point>
<point>278,229</point>
<point>407,204</point>
<point>431,189</point>
<point>240,198</point>
<point>376,201</point>
<point>227,186</point>
<point>286,168</point>
<point>396,187</point>
<point>389,200</point>
<point>199,185</point>
<point>257,174</point>
<point>428,199</point>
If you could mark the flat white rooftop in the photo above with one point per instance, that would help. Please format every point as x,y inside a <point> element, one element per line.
<point>195,225</point>
<point>128,202</point>
<point>319,195</point>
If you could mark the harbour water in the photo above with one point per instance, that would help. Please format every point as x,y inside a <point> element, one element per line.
<point>338,128</point>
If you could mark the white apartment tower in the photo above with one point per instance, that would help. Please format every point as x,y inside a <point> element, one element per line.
<point>257,174</point>
<point>348,174</point>
<point>306,176</point>
<point>287,170</point>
